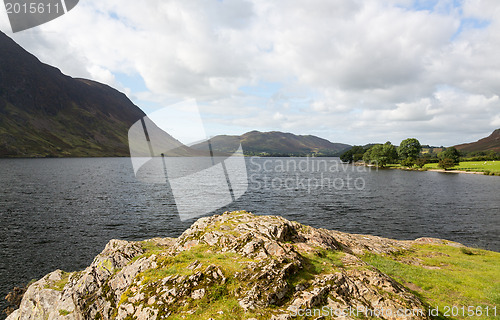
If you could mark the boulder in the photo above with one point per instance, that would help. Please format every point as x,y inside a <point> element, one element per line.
<point>261,264</point>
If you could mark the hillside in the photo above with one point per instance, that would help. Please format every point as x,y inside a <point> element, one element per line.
<point>490,143</point>
<point>44,113</point>
<point>241,266</point>
<point>275,143</point>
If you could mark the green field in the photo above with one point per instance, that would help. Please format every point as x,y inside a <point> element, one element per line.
<point>488,167</point>
<point>460,282</point>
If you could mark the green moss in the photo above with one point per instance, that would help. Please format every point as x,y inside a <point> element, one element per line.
<point>59,284</point>
<point>124,297</point>
<point>238,213</point>
<point>230,262</point>
<point>31,282</point>
<point>217,292</point>
<point>321,261</point>
<point>222,309</point>
<point>64,312</point>
<point>106,265</point>
<point>448,276</point>
<point>151,247</point>
<point>218,303</point>
<point>108,294</point>
<point>219,296</point>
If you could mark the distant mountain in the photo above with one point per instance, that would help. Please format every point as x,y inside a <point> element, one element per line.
<point>492,142</point>
<point>274,143</point>
<point>44,113</point>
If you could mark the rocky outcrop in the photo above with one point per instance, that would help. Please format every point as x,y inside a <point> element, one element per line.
<point>235,265</point>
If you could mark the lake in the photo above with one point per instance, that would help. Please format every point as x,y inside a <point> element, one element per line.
<point>60,213</point>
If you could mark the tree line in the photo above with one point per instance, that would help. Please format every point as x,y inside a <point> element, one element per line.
<point>408,154</point>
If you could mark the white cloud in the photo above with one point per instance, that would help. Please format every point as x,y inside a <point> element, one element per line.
<point>102,75</point>
<point>496,121</point>
<point>351,70</point>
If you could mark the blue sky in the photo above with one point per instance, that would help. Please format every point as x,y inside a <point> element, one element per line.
<point>349,71</point>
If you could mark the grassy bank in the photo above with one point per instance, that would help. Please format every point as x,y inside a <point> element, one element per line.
<point>459,282</point>
<point>487,167</point>
<point>484,167</point>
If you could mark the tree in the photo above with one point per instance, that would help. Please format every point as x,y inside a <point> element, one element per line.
<point>352,155</point>
<point>409,148</point>
<point>358,156</point>
<point>420,162</point>
<point>446,163</point>
<point>347,156</point>
<point>452,154</point>
<point>381,154</point>
<point>430,156</point>
<point>367,156</point>
<point>408,162</point>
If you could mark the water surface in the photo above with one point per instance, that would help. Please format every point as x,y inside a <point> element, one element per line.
<point>60,213</point>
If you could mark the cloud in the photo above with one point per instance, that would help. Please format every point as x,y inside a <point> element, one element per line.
<point>349,70</point>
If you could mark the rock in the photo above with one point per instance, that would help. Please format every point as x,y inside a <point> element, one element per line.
<point>42,300</point>
<point>283,316</point>
<point>253,260</point>
<point>146,313</point>
<point>194,265</point>
<point>198,294</point>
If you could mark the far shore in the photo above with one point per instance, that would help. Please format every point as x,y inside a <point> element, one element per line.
<point>440,170</point>
<point>456,171</point>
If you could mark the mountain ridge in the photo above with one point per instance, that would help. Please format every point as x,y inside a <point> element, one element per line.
<point>45,113</point>
<point>274,143</point>
<point>489,143</point>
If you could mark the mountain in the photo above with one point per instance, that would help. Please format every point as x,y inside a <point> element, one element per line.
<point>274,143</point>
<point>44,113</point>
<point>490,143</point>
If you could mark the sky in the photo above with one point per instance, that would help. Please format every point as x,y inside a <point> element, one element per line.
<point>349,71</point>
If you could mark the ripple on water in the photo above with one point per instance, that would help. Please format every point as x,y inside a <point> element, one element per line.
<point>59,213</point>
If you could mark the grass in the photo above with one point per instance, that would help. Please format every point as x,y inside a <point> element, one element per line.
<point>219,302</point>
<point>448,276</point>
<point>320,261</point>
<point>228,261</point>
<point>150,248</point>
<point>226,307</point>
<point>59,284</point>
<point>487,167</point>
<point>64,312</point>
<point>66,136</point>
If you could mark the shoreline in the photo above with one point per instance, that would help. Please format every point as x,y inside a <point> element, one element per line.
<point>251,266</point>
<point>457,171</point>
<point>445,171</point>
